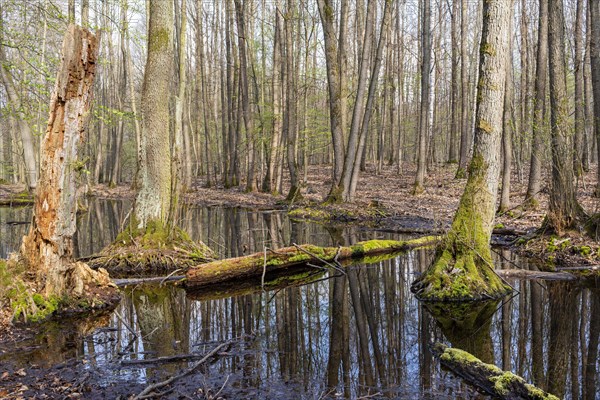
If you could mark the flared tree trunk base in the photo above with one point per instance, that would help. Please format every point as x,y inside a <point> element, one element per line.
<point>465,276</point>
<point>153,251</point>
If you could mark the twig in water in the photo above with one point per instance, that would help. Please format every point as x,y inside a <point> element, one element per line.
<point>336,267</point>
<point>158,385</point>
<point>168,276</point>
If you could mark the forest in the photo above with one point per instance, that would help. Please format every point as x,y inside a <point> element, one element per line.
<point>299,199</point>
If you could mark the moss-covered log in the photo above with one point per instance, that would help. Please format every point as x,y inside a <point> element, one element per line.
<point>254,265</point>
<point>487,377</point>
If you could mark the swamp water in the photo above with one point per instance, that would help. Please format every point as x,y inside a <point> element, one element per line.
<point>358,334</point>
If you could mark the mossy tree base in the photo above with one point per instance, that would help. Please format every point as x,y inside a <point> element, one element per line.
<point>24,295</point>
<point>290,258</point>
<point>488,377</point>
<point>155,249</point>
<point>462,276</point>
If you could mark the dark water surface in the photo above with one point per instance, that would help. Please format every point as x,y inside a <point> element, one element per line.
<point>358,334</point>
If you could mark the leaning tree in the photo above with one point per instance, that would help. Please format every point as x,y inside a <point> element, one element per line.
<point>463,267</point>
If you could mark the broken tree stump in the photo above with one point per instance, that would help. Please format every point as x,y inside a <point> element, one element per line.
<point>487,378</point>
<point>268,261</point>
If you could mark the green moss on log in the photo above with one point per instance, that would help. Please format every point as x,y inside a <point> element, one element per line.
<point>251,266</point>
<point>488,377</point>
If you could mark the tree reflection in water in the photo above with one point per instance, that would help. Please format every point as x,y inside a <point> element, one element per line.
<point>352,335</point>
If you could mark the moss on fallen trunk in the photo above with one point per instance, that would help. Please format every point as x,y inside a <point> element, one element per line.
<point>254,265</point>
<point>488,377</point>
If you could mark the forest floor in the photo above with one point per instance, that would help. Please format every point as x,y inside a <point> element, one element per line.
<point>383,201</point>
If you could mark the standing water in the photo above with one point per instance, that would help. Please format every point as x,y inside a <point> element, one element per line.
<point>357,333</point>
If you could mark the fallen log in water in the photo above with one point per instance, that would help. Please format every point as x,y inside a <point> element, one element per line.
<point>528,274</point>
<point>487,378</point>
<point>257,265</point>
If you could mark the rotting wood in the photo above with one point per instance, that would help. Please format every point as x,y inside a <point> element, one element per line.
<point>487,377</point>
<point>47,250</point>
<point>253,265</point>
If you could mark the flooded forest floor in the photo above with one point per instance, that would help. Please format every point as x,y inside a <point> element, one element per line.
<point>383,202</point>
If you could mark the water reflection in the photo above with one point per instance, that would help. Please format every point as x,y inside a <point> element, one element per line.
<point>356,334</point>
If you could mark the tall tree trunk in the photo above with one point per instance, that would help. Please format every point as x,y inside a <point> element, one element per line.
<point>48,247</point>
<point>178,177</point>
<point>290,126</point>
<point>153,201</point>
<point>455,124</point>
<point>27,141</point>
<point>336,103</point>
<point>579,94</point>
<point>277,83</point>
<point>463,268</point>
<point>425,98</point>
<point>245,94</point>
<point>594,6</point>
<point>564,211</point>
<point>537,147</point>
<point>507,127</point>
<point>465,136</point>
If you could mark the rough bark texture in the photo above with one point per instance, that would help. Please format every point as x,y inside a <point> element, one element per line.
<point>464,133</point>
<point>535,166</point>
<point>594,6</point>
<point>48,248</point>
<point>564,211</point>
<point>254,265</point>
<point>487,377</point>
<point>154,198</point>
<point>463,268</point>
<point>425,99</point>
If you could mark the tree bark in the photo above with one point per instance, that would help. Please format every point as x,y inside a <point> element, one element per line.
<point>153,201</point>
<point>594,6</point>
<point>507,126</point>
<point>418,187</point>
<point>564,211</point>
<point>539,124</point>
<point>465,137</point>
<point>463,268</point>
<point>48,247</point>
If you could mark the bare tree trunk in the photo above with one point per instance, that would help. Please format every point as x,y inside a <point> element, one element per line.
<point>465,136</point>
<point>153,202</point>
<point>579,94</point>
<point>594,6</point>
<point>178,177</point>
<point>455,124</point>
<point>418,187</point>
<point>31,171</point>
<point>507,127</point>
<point>535,168</point>
<point>564,211</point>
<point>277,84</point>
<point>48,247</point>
<point>463,268</point>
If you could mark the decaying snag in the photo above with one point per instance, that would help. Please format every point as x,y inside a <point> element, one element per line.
<point>47,250</point>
